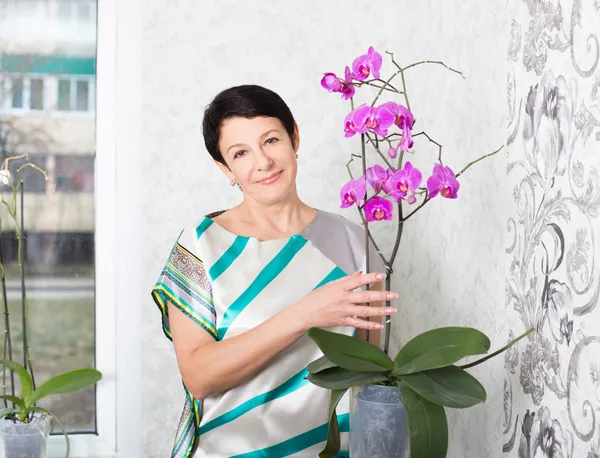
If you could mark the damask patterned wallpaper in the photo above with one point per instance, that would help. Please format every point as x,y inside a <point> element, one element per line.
<point>552,382</point>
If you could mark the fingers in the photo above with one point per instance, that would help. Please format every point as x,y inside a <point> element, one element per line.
<point>363,324</point>
<point>361,297</point>
<point>356,281</point>
<point>366,311</point>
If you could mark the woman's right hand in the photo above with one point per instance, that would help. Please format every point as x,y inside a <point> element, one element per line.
<point>340,303</point>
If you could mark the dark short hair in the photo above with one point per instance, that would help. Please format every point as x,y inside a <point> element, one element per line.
<point>246,101</point>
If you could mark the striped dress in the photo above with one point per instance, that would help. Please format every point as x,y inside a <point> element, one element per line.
<point>228,284</point>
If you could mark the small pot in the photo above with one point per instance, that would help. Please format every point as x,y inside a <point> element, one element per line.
<point>25,440</point>
<point>378,427</point>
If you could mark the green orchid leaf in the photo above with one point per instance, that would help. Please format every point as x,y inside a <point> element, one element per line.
<point>333,444</point>
<point>439,348</point>
<point>7,411</point>
<point>26,384</point>
<point>340,378</point>
<point>351,353</point>
<point>448,386</point>
<point>427,425</point>
<point>15,400</point>
<point>67,382</point>
<point>319,365</point>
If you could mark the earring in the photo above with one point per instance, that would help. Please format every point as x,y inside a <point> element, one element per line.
<point>233,182</point>
<point>296,155</point>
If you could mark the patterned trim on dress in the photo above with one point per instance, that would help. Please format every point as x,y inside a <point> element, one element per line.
<point>184,282</point>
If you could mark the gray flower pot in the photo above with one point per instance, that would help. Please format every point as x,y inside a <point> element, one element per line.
<point>24,440</point>
<point>378,426</point>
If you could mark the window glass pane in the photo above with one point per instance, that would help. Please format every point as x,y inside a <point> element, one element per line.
<point>64,95</point>
<point>17,93</point>
<point>57,242</point>
<point>83,95</point>
<point>75,173</point>
<point>32,181</point>
<point>37,94</point>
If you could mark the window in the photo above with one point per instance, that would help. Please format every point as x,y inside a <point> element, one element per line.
<point>17,93</point>
<point>77,12</point>
<point>59,219</point>
<point>64,95</point>
<point>83,96</point>
<point>74,173</point>
<point>36,98</point>
<point>74,95</point>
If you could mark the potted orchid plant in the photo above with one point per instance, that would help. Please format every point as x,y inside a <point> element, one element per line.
<point>397,405</point>
<point>24,425</point>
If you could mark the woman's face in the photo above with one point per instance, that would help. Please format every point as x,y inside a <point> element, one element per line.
<point>260,156</point>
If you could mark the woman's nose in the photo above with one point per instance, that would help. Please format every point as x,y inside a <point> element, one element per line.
<point>263,161</point>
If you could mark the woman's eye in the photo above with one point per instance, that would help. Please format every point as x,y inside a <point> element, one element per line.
<point>272,140</point>
<point>239,154</point>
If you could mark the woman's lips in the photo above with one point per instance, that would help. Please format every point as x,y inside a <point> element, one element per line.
<point>271,179</point>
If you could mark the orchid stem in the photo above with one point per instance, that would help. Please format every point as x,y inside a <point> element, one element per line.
<point>438,62</point>
<point>434,142</point>
<point>379,151</point>
<point>496,353</point>
<point>477,160</point>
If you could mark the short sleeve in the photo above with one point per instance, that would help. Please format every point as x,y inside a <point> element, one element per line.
<point>185,283</point>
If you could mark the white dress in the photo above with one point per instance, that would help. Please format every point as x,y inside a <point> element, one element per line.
<point>229,284</point>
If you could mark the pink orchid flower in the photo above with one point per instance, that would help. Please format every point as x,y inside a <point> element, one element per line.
<point>442,181</point>
<point>377,119</point>
<point>403,183</point>
<point>367,65</point>
<point>376,176</point>
<point>404,119</point>
<point>355,124</point>
<point>353,192</point>
<point>333,83</point>
<point>378,209</point>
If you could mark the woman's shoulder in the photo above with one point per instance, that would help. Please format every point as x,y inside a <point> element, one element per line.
<point>336,224</point>
<point>195,226</point>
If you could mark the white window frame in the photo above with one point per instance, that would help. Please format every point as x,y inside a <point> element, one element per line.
<point>118,246</point>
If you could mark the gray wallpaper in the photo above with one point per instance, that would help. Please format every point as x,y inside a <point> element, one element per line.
<point>552,380</point>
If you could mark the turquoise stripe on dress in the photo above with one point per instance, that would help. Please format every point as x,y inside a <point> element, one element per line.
<point>289,386</point>
<point>204,225</point>
<point>335,274</point>
<point>292,384</point>
<point>298,443</point>
<point>228,257</point>
<point>266,276</point>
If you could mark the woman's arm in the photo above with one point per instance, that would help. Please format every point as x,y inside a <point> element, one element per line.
<point>208,366</point>
<point>374,334</point>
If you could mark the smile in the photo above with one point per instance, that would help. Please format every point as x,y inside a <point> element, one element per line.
<point>271,178</point>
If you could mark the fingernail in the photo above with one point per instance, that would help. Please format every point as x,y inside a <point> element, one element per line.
<point>379,326</point>
<point>380,276</point>
<point>391,310</point>
<point>392,296</point>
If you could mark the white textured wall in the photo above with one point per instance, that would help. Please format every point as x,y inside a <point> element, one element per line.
<point>450,267</point>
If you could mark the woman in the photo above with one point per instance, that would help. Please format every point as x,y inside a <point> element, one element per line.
<point>242,286</point>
